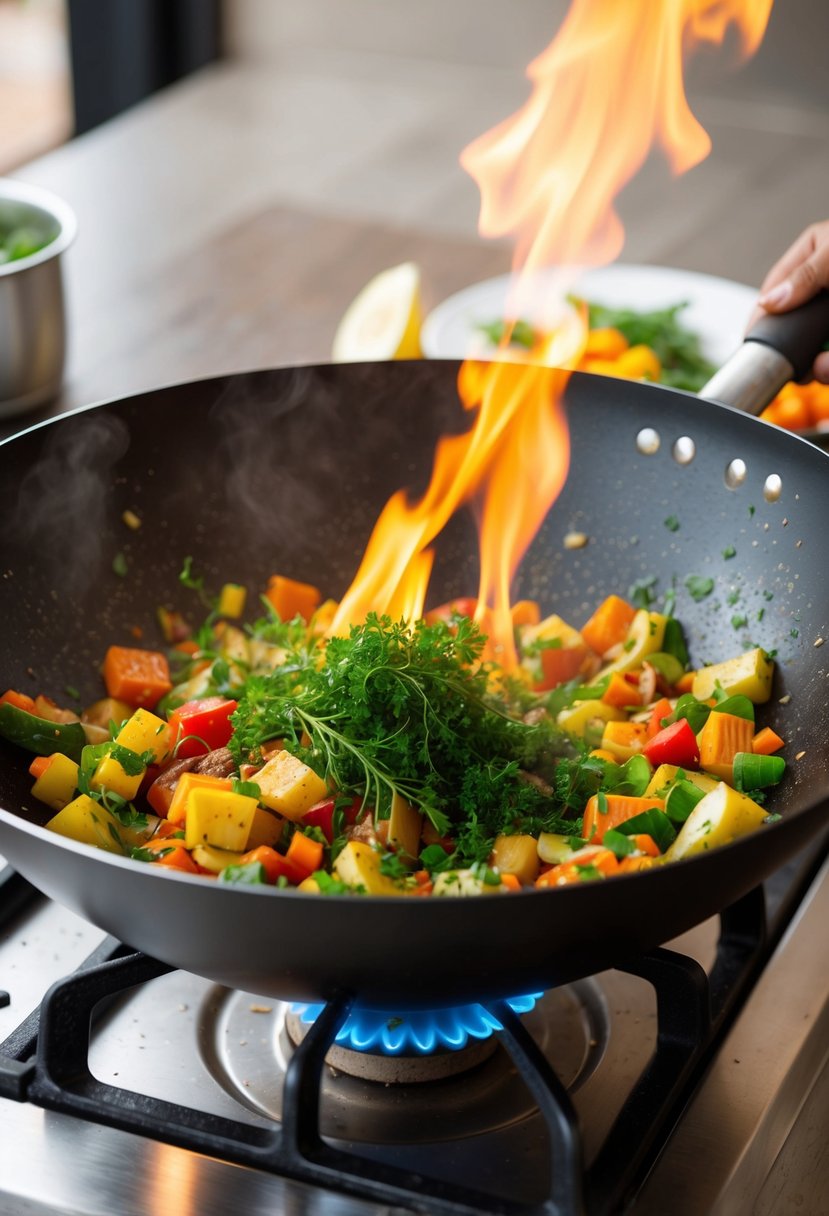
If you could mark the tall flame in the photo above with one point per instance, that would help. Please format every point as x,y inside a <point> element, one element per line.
<point>605,92</point>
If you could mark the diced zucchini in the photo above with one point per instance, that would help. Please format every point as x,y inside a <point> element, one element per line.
<point>717,819</point>
<point>749,674</point>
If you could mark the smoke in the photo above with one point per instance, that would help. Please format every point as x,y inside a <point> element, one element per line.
<point>61,507</point>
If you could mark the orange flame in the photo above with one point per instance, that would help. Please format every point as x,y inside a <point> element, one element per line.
<point>607,89</point>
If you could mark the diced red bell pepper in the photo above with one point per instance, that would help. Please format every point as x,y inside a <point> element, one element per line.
<point>676,744</point>
<point>322,815</point>
<point>465,606</point>
<point>276,865</point>
<point>207,720</point>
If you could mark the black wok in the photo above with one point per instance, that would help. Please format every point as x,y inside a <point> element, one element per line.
<point>286,471</point>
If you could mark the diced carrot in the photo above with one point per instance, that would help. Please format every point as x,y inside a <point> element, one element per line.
<point>19,700</point>
<point>178,857</point>
<point>629,865</point>
<point>140,677</point>
<point>605,342</point>
<point>188,646</point>
<point>304,854</point>
<point>624,739</point>
<point>609,624</point>
<point>662,709</point>
<point>765,743</point>
<point>820,402</point>
<point>422,877</point>
<point>646,844</point>
<point>619,808</point>
<point>560,664</point>
<point>685,683</point>
<point>275,865</point>
<point>578,870</point>
<point>511,882</point>
<point>291,598</point>
<point>722,737</point>
<point>525,612</point>
<point>39,766</point>
<point>620,692</point>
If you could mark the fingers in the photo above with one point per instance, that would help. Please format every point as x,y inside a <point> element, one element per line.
<point>801,272</point>
<point>821,368</point>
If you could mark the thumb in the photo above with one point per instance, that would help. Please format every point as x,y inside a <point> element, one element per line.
<point>803,282</point>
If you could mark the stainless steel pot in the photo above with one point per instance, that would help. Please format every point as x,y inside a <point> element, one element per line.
<point>32,312</point>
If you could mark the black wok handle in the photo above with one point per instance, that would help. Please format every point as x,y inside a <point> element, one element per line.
<point>777,348</point>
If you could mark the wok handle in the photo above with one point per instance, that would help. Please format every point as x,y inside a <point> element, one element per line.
<point>776,349</point>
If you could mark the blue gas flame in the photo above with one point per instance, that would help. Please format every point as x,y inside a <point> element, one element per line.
<point>418,1032</point>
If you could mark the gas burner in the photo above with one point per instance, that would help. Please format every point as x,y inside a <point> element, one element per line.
<point>372,1097</point>
<point>418,1032</point>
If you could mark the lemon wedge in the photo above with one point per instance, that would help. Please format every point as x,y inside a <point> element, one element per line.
<point>383,321</point>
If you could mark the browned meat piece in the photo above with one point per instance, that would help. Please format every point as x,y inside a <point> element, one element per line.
<point>218,763</point>
<point>363,830</point>
<point>168,778</point>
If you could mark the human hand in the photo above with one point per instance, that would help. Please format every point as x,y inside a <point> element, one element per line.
<point>800,274</point>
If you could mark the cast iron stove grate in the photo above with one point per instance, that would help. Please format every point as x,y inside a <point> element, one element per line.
<point>45,1061</point>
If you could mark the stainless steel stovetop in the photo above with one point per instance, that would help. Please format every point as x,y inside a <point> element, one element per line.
<point>752,1138</point>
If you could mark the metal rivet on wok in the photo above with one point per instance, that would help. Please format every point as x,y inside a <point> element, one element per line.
<point>684,450</point>
<point>735,473</point>
<point>647,441</point>
<point>772,487</point>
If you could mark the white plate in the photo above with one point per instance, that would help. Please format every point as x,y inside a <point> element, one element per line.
<point>718,309</point>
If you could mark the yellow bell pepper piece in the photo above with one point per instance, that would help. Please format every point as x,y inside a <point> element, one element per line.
<point>57,785</point>
<point>85,820</point>
<point>232,600</point>
<point>748,674</point>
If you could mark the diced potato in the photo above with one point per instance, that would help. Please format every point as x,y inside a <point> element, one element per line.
<point>56,787</point>
<point>145,732</point>
<point>645,636</point>
<point>288,786</point>
<point>265,656</point>
<point>195,687</point>
<point>748,674</point>
<point>265,829</point>
<point>211,858</point>
<point>358,865</point>
<point>576,718</point>
<point>717,819</point>
<point>463,883</point>
<point>234,647</point>
<point>218,817</point>
<point>86,820</point>
<point>554,849</point>
<point>666,775</point>
<point>405,824</point>
<point>516,855</point>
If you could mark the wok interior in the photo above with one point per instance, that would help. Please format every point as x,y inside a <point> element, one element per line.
<point>285,472</point>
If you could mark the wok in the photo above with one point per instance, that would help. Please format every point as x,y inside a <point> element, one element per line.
<point>286,471</point>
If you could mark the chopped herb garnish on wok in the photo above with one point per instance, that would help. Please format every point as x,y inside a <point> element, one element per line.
<point>400,759</point>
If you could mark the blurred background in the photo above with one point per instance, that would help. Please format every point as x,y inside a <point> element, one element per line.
<point>176,127</point>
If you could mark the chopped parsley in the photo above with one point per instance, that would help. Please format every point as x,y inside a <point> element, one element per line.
<point>699,587</point>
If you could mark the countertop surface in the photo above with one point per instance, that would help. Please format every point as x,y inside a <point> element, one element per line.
<point>225,223</point>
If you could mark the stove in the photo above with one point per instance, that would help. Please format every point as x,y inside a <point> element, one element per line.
<point>692,1081</point>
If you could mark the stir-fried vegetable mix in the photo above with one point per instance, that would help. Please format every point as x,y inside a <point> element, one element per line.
<point>656,345</point>
<point>398,760</point>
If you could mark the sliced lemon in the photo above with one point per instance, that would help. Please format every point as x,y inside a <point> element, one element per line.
<point>383,321</point>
